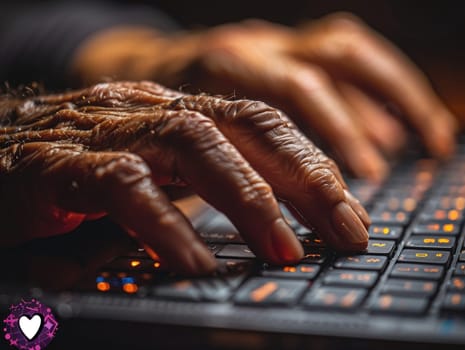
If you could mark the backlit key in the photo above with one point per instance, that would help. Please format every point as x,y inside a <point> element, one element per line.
<point>410,287</point>
<point>314,256</point>
<point>457,284</point>
<point>300,271</point>
<point>335,298</point>
<point>434,227</point>
<point>418,271</point>
<point>399,217</point>
<point>454,302</point>
<point>424,256</point>
<point>266,291</point>
<point>351,278</point>
<point>389,303</point>
<point>385,232</point>
<point>435,242</point>
<point>380,247</point>
<point>361,262</point>
<point>460,269</point>
<point>240,251</point>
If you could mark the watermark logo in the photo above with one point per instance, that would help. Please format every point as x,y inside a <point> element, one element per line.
<point>30,325</point>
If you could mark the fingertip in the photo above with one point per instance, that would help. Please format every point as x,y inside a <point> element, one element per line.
<point>287,248</point>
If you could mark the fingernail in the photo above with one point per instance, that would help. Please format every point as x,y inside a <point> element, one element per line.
<point>347,224</point>
<point>358,208</point>
<point>285,243</point>
<point>204,260</point>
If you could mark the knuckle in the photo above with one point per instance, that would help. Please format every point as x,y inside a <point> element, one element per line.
<point>124,170</point>
<point>322,182</point>
<point>256,194</point>
<point>253,114</point>
<point>311,79</point>
<point>341,22</point>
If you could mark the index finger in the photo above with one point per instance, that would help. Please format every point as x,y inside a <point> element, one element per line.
<point>298,171</point>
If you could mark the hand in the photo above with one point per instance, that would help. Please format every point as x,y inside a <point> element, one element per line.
<point>108,149</point>
<point>333,77</point>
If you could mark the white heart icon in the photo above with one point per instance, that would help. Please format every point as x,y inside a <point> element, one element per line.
<point>30,326</point>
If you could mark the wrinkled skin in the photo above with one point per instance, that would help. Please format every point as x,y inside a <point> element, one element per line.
<point>334,77</point>
<point>108,148</point>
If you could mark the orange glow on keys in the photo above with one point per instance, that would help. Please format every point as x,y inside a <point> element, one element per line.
<point>263,291</point>
<point>103,286</point>
<point>289,269</point>
<point>130,288</point>
<point>156,264</point>
<point>448,227</point>
<point>453,215</point>
<point>134,263</point>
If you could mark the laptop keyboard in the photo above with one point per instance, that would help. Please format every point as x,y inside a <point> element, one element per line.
<point>414,264</point>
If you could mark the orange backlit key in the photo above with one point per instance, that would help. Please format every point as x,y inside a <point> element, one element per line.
<point>435,242</point>
<point>457,284</point>
<point>300,271</point>
<point>410,287</point>
<point>335,298</point>
<point>418,271</point>
<point>460,269</point>
<point>454,302</point>
<point>390,303</point>
<point>351,278</point>
<point>266,291</point>
<point>385,232</point>
<point>424,256</point>
<point>361,262</point>
<point>435,227</point>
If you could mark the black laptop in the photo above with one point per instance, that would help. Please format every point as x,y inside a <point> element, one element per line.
<point>407,290</point>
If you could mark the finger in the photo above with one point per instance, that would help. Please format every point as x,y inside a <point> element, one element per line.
<point>308,93</point>
<point>351,48</point>
<point>379,126</point>
<point>298,172</point>
<point>324,110</point>
<point>217,171</point>
<point>121,184</point>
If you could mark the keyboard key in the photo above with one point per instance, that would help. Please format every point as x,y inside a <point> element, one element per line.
<point>315,256</point>
<point>460,269</point>
<point>410,287</point>
<point>217,237</point>
<point>240,251</point>
<point>335,298</point>
<point>387,217</point>
<point>424,256</point>
<point>452,215</point>
<point>462,255</point>
<point>390,303</point>
<point>385,232</point>
<point>266,291</point>
<point>435,242</point>
<point>311,240</point>
<point>435,227</point>
<point>226,266</point>
<point>418,271</point>
<point>182,290</point>
<point>133,264</point>
<point>219,288</point>
<point>362,262</point>
<point>214,247</point>
<point>351,278</point>
<point>457,284</point>
<point>454,302</point>
<point>380,247</point>
<point>300,271</point>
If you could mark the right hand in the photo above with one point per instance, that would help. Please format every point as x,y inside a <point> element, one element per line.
<point>107,149</point>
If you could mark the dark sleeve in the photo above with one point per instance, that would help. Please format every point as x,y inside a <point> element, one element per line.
<point>37,41</point>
